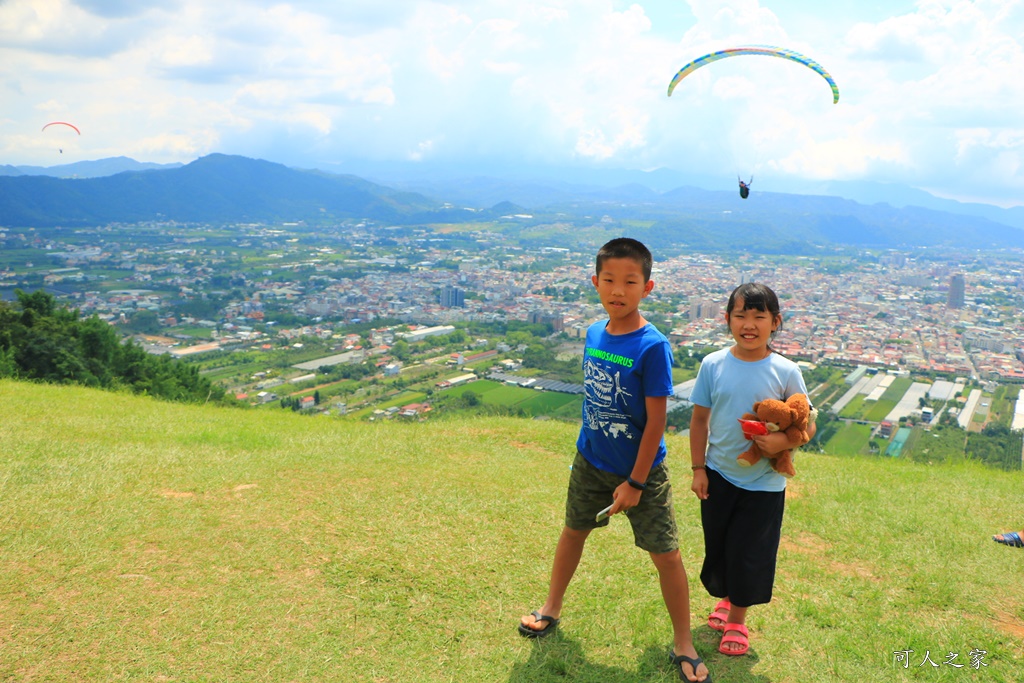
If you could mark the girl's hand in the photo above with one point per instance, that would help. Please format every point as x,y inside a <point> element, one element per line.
<point>772,443</point>
<point>700,484</point>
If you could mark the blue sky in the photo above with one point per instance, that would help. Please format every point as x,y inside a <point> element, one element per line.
<point>931,91</point>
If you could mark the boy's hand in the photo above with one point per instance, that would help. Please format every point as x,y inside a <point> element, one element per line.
<point>700,484</point>
<point>625,497</point>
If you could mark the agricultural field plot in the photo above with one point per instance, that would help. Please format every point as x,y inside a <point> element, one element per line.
<point>195,332</point>
<point>327,390</point>
<point>826,394</point>
<point>877,410</point>
<point>935,445</point>
<point>402,399</point>
<point>231,374</point>
<point>851,439</point>
<point>115,279</point>
<point>896,390</point>
<point>235,367</point>
<point>550,403</point>
<point>448,228</point>
<point>490,392</point>
<point>9,258</point>
<point>534,402</point>
<point>854,409</point>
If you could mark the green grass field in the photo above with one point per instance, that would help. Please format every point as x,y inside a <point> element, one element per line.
<point>148,541</point>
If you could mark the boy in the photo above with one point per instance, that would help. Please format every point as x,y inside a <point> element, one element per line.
<point>627,366</point>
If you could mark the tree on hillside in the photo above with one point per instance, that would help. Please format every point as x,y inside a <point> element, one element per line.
<point>144,322</point>
<point>997,446</point>
<point>43,342</point>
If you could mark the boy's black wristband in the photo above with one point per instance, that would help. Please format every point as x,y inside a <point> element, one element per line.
<point>635,484</point>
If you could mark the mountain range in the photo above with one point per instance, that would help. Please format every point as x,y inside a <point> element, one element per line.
<point>86,169</point>
<point>227,189</point>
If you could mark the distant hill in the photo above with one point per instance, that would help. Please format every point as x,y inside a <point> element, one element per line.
<point>798,223</point>
<point>215,188</point>
<point>225,189</point>
<point>538,186</point>
<point>901,196</point>
<point>87,169</point>
<point>835,196</point>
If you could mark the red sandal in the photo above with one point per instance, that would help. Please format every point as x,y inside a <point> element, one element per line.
<point>743,640</point>
<point>716,614</point>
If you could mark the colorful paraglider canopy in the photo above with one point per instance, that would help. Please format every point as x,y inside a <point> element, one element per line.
<point>62,123</point>
<point>755,50</point>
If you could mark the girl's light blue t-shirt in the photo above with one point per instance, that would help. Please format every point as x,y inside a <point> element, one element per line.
<point>730,387</point>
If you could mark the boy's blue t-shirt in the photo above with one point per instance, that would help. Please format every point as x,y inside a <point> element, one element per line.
<point>730,387</point>
<point>620,371</point>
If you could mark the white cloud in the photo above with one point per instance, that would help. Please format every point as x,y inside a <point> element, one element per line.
<point>945,78</point>
<point>422,150</point>
<point>931,92</point>
<point>853,153</point>
<point>27,23</point>
<point>185,51</point>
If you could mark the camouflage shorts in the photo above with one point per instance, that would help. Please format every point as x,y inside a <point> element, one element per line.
<point>653,519</point>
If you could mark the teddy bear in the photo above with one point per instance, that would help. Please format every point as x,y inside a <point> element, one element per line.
<point>790,416</point>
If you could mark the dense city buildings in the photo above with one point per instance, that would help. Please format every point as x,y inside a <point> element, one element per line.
<point>952,314</point>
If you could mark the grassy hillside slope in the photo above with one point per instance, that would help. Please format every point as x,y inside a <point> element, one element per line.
<point>160,542</point>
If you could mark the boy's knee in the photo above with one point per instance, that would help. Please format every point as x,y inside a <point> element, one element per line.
<point>668,560</point>
<point>576,534</point>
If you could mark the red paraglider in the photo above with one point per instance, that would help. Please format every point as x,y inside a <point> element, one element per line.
<point>62,123</point>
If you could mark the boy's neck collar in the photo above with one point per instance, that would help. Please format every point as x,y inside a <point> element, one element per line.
<point>625,326</point>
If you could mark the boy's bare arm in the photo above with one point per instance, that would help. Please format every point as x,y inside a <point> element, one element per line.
<point>625,495</point>
<point>657,417</point>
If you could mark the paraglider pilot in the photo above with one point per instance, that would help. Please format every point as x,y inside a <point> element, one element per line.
<point>745,186</point>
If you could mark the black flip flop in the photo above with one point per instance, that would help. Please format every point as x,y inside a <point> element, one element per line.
<point>525,630</point>
<point>1011,538</point>
<point>677,660</point>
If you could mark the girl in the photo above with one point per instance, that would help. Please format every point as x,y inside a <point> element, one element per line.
<point>741,506</point>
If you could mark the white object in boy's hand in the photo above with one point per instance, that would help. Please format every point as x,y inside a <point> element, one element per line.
<point>603,514</point>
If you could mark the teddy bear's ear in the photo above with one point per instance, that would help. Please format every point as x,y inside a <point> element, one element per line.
<point>757,406</point>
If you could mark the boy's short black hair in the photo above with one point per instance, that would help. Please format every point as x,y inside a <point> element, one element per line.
<point>626,247</point>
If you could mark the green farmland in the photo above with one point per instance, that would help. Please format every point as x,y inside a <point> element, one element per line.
<point>530,401</point>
